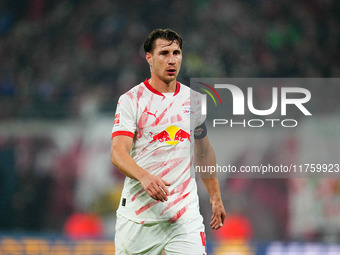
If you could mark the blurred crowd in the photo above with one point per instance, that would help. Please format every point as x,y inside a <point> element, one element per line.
<point>72,58</point>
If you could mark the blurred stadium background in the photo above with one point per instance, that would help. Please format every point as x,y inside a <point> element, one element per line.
<point>63,65</point>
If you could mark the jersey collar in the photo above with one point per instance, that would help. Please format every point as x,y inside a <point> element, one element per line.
<point>147,84</point>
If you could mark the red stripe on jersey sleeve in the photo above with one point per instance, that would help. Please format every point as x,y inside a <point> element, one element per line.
<point>126,133</point>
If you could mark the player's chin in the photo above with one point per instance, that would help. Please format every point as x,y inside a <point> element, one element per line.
<point>170,78</point>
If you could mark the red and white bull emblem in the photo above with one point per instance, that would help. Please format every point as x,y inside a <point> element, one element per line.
<point>171,135</point>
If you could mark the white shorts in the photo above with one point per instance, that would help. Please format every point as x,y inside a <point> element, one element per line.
<point>180,238</point>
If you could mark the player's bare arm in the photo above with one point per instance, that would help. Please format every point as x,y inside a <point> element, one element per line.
<point>120,157</point>
<point>205,156</point>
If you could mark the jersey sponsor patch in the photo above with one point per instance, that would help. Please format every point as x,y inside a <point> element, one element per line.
<point>117,120</point>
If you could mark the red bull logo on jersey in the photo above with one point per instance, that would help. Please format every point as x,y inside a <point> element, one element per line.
<point>171,135</point>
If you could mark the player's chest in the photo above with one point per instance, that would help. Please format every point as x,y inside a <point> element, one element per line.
<point>169,115</point>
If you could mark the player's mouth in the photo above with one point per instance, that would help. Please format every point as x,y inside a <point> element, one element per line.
<point>171,71</point>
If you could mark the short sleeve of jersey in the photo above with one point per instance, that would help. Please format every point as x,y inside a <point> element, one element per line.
<point>196,104</point>
<point>125,120</point>
<point>201,119</point>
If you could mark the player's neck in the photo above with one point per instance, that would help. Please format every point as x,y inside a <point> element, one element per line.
<point>161,86</point>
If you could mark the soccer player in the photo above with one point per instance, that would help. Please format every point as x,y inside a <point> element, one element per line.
<point>155,129</point>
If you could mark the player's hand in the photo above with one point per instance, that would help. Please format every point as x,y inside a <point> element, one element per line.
<point>219,214</point>
<point>155,187</point>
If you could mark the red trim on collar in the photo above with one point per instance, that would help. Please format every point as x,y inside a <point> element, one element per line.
<point>178,87</point>
<point>147,84</point>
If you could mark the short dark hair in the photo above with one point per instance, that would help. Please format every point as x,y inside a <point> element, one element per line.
<point>166,34</point>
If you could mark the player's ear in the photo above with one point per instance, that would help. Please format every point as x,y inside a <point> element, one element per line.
<point>148,57</point>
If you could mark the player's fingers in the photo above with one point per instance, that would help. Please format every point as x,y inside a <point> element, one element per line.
<point>161,194</point>
<point>164,188</point>
<point>214,226</point>
<point>223,218</point>
<point>216,222</point>
<point>215,216</point>
<point>160,197</point>
<point>219,223</point>
<point>153,193</point>
<point>166,183</point>
<point>217,226</point>
<point>213,221</point>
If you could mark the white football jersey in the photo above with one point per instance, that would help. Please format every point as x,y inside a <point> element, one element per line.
<point>162,127</point>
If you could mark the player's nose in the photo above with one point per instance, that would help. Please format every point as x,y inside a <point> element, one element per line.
<point>172,59</point>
